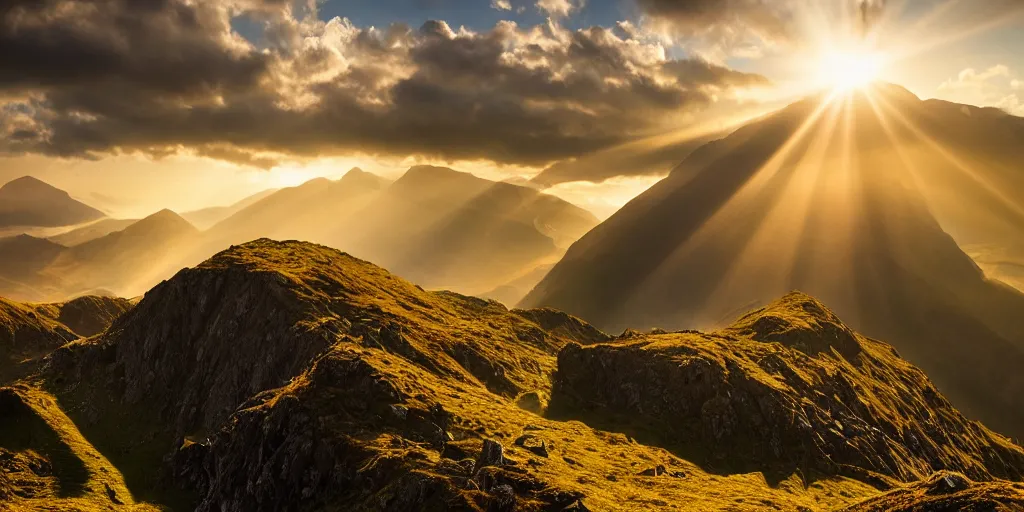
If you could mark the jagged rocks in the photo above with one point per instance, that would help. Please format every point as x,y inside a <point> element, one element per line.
<point>288,376</point>
<point>492,454</point>
<point>769,394</point>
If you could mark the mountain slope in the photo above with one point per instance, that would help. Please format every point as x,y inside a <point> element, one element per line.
<point>207,217</point>
<point>301,212</point>
<point>344,387</point>
<point>27,201</point>
<point>25,334</point>
<point>434,225</point>
<point>48,465</point>
<point>127,262</point>
<point>91,231</point>
<point>88,315</point>
<point>786,388</point>
<point>821,199</point>
<point>444,228</point>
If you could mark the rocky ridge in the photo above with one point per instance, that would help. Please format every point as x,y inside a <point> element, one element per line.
<point>290,376</point>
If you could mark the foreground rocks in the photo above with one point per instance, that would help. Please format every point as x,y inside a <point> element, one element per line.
<point>788,388</point>
<point>289,376</point>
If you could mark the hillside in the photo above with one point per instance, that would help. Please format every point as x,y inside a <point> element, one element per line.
<point>437,226</point>
<point>88,315</point>
<point>301,212</point>
<point>30,331</point>
<point>447,229</point>
<point>127,262</point>
<point>26,334</point>
<point>27,201</point>
<point>207,217</point>
<point>91,231</point>
<point>345,387</point>
<point>808,199</point>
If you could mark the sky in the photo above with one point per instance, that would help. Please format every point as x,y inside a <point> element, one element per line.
<point>137,106</point>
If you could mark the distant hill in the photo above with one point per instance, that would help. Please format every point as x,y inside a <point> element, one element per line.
<point>207,217</point>
<point>26,334</point>
<point>128,261</point>
<point>846,204</point>
<point>441,227</point>
<point>449,229</point>
<point>92,231</point>
<point>290,376</point>
<point>29,202</point>
<point>302,212</point>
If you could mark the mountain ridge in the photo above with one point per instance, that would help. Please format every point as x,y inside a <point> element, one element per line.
<point>802,199</point>
<point>347,386</point>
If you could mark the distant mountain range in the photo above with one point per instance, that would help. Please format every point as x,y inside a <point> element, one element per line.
<point>445,228</point>
<point>29,202</point>
<point>841,200</point>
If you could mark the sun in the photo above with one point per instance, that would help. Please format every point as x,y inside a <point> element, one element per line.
<point>845,71</point>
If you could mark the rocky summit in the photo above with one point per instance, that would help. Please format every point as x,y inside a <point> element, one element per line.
<point>290,376</point>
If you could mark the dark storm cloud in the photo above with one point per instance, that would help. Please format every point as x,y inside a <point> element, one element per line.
<point>91,77</point>
<point>162,45</point>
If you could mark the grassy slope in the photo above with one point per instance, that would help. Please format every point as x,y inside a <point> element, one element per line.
<point>472,359</point>
<point>52,467</point>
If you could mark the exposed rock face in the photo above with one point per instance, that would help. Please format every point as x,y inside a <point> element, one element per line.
<point>289,376</point>
<point>300,319</point>
<point>780,204</point>
<point>788,388</point>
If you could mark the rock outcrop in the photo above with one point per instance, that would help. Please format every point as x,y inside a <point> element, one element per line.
<point>788,388</point>
<point>290,376</point>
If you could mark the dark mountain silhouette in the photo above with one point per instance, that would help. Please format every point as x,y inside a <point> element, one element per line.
<point>842,205</point>
<point>27,201</point>
<point>290,376</point>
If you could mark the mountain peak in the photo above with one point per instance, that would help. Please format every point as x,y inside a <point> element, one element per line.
<point>28,183</point>
<point>165,221</point>
<point>359,177</point>
<point>799,321</point>
<point>433,170</point>
<point>28,201</point>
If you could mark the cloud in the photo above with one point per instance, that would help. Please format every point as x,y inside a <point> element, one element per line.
<point>171,76</point>
<point>557,8</point>
<point>971,78</point>
<point>994,86</point>
<point>501,5</point>
<point>1012,104</point>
